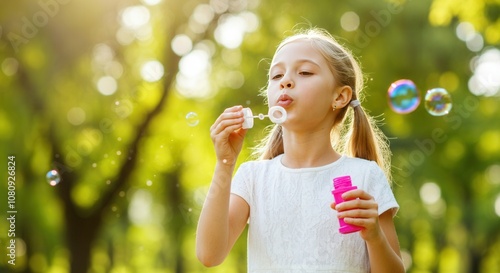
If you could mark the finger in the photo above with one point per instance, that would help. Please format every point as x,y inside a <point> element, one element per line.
<point>235,111</point>
<point>227,116</point>
<point>361,222</point>
<point>230,112</point>
<point>227,111</point>
<point>235,108</point>
<point>226,120</point>
<point>357,204</point>
<point>358,213</point>
<point>358,193</point>
<point>223,131</point>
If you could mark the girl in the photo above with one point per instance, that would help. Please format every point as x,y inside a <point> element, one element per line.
<point>285,196</point>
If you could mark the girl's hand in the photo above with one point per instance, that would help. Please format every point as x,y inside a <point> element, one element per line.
<point>227,134</point>
<point>360,209</point>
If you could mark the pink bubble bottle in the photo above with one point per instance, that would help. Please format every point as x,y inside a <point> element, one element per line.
<point>343,184</point>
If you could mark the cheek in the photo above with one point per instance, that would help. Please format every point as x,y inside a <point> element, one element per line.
<point>272,95</point>
<point>318,102</point>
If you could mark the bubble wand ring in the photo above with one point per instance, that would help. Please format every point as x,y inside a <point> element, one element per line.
<point>276,114</point>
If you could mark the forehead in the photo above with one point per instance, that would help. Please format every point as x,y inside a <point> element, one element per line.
<point>298,50</point>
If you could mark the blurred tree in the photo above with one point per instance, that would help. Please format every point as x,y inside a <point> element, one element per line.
<point>96,156</point>
<point>118,98</point>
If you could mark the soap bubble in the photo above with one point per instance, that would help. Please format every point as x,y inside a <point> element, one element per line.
<point>192,119</point>
<point>403,96</point>
<point>438,102</point>
<point>53,177</point>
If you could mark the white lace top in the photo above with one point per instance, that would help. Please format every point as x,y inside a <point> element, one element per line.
<point>292,227</point>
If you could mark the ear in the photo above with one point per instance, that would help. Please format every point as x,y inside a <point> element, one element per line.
<point>342,96</point>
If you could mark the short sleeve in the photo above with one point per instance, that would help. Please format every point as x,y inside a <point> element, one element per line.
<point>240,184</point>
<point>379,188</point>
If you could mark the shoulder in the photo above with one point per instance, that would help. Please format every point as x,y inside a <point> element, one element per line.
<point>366,170</point>
<point>250,171</point>
<point>252,176</point>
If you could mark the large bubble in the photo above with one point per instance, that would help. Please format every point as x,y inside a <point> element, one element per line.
<point>403,96</point>
<point>438,102</point>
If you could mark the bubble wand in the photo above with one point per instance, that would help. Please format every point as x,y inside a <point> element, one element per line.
<point>276,114</point>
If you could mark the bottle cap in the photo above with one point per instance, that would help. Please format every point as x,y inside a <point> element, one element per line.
<point>248,118</point>
<point>342,181</point>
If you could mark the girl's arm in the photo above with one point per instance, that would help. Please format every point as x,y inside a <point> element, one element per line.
<point>379,232</point>
<point>223,216</point>
<point>384,250</point>
<point>222,219</point>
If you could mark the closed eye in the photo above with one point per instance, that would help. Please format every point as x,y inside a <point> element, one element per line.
<point>277,76</point>
<point>305,73</point>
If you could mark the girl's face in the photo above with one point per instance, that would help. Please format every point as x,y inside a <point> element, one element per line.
<point>300,81</point>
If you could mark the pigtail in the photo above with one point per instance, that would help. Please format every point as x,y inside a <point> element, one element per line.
<point>363,138</point>
<point>367,141</point>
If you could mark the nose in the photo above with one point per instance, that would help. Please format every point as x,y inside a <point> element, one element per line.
<point>286,82</point>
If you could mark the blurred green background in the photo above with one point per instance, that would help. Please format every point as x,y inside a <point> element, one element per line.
<point>118,97</point>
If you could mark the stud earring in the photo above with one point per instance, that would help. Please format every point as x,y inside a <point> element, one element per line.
<point>334,107</point>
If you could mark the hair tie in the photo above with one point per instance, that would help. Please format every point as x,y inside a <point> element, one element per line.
<point>354,103</point>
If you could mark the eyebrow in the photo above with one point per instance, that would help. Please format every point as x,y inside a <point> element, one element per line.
<point>299,61</point>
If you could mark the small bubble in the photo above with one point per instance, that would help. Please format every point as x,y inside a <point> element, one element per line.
<point>94,165</point>
<point>119,139</point>
<point>53,177</point>
<point>190,209</point>
<point>108,182</point>
<point>122,194</point>
<point>261,116</point>
<point>403,96</point>
<point>149,183</point>
<point>192,119</point>
<point>438,102</point>
<point>224,161</point>
<point>118,152</point>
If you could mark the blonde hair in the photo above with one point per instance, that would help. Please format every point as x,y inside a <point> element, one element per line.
<point>354,132</point>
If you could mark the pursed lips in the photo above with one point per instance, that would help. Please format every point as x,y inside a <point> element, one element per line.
<point>284,100</point>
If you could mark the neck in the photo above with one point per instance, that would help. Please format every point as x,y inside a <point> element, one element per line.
<point>305,150</point>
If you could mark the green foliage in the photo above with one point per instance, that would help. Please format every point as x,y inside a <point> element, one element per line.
<point>75,96</point>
